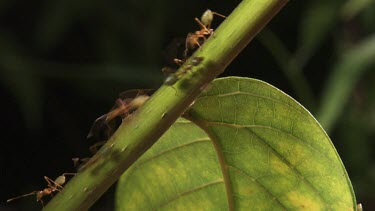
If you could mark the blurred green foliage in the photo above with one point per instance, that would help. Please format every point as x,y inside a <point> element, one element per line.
<point>63,62</point>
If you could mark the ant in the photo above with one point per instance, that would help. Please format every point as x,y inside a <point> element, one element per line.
<point>104,126</point>
<point>126,106</point>
<point>53,185</point>
<point>193,39</point>
<point>174,76</point>
<point>123,108</point>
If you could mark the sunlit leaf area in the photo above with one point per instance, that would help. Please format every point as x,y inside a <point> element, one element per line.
<point>63,64</point>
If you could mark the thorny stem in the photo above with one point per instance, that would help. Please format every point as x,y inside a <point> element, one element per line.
<point>140,131</point>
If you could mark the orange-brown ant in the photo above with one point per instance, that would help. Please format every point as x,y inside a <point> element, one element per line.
<point>195,39</point>
<point>123,108</point>
<point>106,125</point>
<point>53,186</point>
<point>192,40</point>
<point>126,106</point>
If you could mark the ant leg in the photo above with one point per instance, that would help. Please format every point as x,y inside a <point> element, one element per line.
<point>218,14</point>
<point>196,42</point>
<point>28,194</point>
<point>189,37</point>
<point>117,112</point>
<point>140,92</point>
<point>122,108</point>
<point>69,174</point>
<point>49,181</point>
<point>52,184</point>
<point>202,25</point>
<point>200,36</point>
<point>94,148</point>
<point>120,102</point>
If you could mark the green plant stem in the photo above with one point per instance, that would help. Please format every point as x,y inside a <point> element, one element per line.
<point>140,131</point>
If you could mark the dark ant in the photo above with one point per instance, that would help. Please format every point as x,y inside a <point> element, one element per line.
<point>79,163</point>
<point>53,185</point>
<point>173,77</point>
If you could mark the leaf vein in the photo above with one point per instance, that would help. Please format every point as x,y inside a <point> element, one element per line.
<point>297,172</point>
<point>142,162</point>
<point>192,190</point>
<point>239,171</point>
<point>254,95</point>
<point>212,123</point>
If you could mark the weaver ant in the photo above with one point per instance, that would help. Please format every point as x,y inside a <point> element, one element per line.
<point>194,39</point>
<point>53,185</point>
<point>191,42</point>
<point>104,126</point>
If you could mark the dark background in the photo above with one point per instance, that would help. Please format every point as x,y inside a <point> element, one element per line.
<point>64,62</point>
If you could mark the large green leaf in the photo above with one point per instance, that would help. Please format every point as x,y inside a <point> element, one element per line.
<point>255,147</point>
